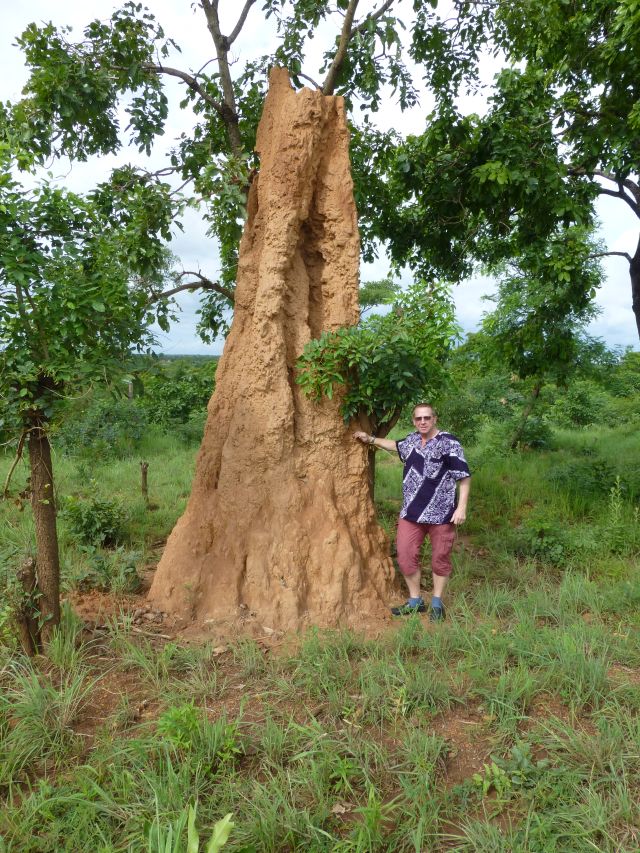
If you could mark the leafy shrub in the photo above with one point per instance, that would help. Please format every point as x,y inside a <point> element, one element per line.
<point>107,428</point>
<point>475,401</point>
<point>542,539</point>
<point>584,403</point>
<point>170,400</point>
<point>536,434</point>
<point>495,437</point>
<point>386,360</point>
<point>588,474</point>
<point>192,430</point>
<point>624,380</point>
<point>94,520</point>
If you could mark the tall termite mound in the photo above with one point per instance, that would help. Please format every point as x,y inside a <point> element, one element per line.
<point>280,523</point>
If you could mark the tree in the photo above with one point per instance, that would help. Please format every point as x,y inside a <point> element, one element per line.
<point>386,361</point>
<point>562,128</point>
<point>78,90</point>
<point>70,316</point>
<point>543,304</point>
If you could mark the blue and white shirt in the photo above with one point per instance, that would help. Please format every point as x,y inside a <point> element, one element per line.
<point>430,475</point>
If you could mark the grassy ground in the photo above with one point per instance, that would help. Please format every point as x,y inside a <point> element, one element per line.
<point>514,726</point>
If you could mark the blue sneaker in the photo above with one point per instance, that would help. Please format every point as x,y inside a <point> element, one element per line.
<point>408,609</point>
<point>437,614</point>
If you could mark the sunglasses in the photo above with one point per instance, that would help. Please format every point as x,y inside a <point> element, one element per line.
<point>424,418</point>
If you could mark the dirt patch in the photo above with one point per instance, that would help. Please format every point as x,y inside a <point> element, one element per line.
<point>469,744</point>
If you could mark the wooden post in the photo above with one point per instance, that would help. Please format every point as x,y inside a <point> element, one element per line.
<point>144,467</point>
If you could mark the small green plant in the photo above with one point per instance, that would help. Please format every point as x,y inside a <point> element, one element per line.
<point>168,839</point>
<point>94,520</point>
<point>179,725</point>
<point>493,778</point>
<point>110,571</point>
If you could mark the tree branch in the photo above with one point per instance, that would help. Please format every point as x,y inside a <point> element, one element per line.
<point>203,283</point>
<point>304,77</point>
<point>606,254</point>
<point>338,59</point>
<point>621,194</point>
<point>372,17</point>
<point>633,188</point>
<point>7,482</point>
<point>243,17</point>
<point>191,82</point>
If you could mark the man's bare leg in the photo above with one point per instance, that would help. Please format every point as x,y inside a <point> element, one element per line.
<point>413,584</point>
<point>439,584</point>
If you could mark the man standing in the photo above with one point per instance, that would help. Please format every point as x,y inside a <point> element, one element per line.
<point>434,464</point>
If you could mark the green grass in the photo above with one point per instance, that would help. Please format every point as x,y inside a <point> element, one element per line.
<point>512,727</point>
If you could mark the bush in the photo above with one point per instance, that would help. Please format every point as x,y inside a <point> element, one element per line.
<point>590,474</point>
<point>544,540</point>
<point>171,400</point>
<point>94,520</point>
<point>583,404</point>
<point>107,429</point>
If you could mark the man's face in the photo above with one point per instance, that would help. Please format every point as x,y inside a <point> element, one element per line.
<point>424,419</point>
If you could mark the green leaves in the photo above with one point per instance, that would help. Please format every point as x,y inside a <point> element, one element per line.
<point>73,304</point>
<point>387,361</point>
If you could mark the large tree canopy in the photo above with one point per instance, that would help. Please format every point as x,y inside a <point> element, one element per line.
<point>80,89</point>
<point>562,128</point>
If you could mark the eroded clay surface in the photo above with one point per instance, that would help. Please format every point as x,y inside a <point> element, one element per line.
<point>280,526</point>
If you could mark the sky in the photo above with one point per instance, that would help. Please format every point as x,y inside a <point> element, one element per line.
<point>619,229</point>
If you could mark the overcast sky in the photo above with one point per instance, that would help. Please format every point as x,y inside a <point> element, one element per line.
<point>186,26</point>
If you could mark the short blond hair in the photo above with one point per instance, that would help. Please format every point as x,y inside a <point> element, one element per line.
<point>424,406</point>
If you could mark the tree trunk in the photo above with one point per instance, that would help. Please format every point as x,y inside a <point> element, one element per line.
<point>369,424</point>
<point>44,515</point>
<point>280,527</point>
<point>634,273</point>
<point>535,393</point>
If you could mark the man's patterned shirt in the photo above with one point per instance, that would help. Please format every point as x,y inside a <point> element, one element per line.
<point>429,479</point>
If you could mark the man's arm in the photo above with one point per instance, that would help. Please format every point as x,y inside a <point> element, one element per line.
<point>384,443</point>
<point>460,512</point>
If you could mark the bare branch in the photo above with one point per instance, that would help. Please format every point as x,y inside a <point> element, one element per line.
<point>627,183</point>
<point>243,17</point>
<point>338,59</point>
<point>191,82</point>
<point>304,77</point>
<point>621,194</point>
<point>7,482</point>
<point>221,43</point>
<point>203,283</point>
<point>606,254</point>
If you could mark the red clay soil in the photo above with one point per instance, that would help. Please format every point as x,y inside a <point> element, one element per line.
<point>280,527</point>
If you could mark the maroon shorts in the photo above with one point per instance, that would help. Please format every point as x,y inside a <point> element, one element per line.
<point>409,540</point>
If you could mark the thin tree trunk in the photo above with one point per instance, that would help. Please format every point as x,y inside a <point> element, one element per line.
<point>222,45</point>
<point>634,273</point>
<point>44,515</point>
<point>382,430</point>
<point>535,393</point>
